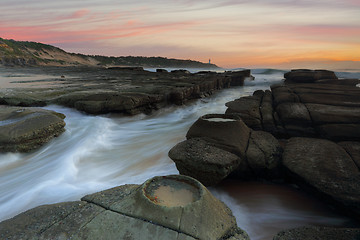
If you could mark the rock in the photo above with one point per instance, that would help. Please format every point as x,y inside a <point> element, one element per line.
<point>321,110</point>
<point>201,160</point>
<point>353,149</point>
<point>226,131</point>
<point>159,70</point>
<point>348,82</point>
<point>181,71</point>
<point>238,77</point>
<point>306,76</point>
<point>62,220</point>
<point>126,68</point>
<point>247,108</point>
<point>264,155</point>
<point>326,169</point>
<point>219,145</point>
<point>325,114</point>
<point>296,119</point>
<point>340,132</point>
<point>25,129</point>
<point>169,207</point>
<point>266,111</point>
<point>315,232</point>
<point>122,90</point>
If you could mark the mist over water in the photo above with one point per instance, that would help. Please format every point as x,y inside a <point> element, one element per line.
<point>100,152</point>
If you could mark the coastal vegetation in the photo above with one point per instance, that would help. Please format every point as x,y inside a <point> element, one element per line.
<point>24,53</point>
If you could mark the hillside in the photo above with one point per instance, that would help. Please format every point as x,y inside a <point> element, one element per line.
<point>20,53</point>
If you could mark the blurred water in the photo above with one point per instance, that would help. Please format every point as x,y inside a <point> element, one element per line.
<point>100,152</point>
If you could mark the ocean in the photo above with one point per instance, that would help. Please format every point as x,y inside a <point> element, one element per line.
<point>101,152</point>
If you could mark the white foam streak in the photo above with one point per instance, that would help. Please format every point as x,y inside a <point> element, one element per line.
<point>100,152</point>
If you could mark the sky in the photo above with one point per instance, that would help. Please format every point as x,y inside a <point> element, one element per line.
<point>232,33</point>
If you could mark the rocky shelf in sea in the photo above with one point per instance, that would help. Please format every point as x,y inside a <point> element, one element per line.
<point>25,129</point>
<point>121,90</point>
<point>164,208</point>
<point>255,139</point>
<point>125,90</point>
<point>305,131</point>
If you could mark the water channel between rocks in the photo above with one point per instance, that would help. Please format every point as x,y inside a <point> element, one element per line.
<point>100,152</point>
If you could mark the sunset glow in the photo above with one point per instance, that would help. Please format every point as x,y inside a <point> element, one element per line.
<point>258,33</point>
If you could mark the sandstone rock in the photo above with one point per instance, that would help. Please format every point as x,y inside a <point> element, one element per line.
<point>122,90</point>
<point>227,131</point>
<point>296,119</point>
<point>306,76</point>
<point>315,232</point>
<point>340,132</point>
<point>25,129</point>
<point>219,146</point>
<point>126,68</point>
<point>264,155</point>
<point>348,82</point>
<point>326,169</point>
<point>203,161</point>
<point>283,94</point>
<point>181,71</point>
<point>200,216</point>
<point>321,110</point>
<point>322,114</point>
<point>247,108</point>
<point>49,218</point>
<point>266,111</point>
<point>169,207</point>
<point>238,77</point>
<point>161,70</point>
<point>353,149</point>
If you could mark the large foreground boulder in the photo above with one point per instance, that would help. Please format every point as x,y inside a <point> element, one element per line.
<point>221,145</point>
<point>170,207</point>
<point>326,169</point>
<point>314,232</point>
<point>25,129</point>
<point>202,160</point>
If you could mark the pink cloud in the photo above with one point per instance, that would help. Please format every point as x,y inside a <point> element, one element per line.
<point>51,34</point>
<point>80,13</point>
<point>74,15</point>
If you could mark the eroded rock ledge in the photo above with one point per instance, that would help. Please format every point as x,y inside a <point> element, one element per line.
<point>25,129</point>
<point>163,208</point>
<point>122,90</point>
<point>316,125</point>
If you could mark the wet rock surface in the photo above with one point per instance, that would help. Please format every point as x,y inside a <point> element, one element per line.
<point>218,145</point>
<point>132,212</point>
<point>123,90</point>
<point>307,75</point>
<point>322,110</point>
<point>326,169</point>
<point>306,131</point>
<point>313,232</point>
<point>25,129</point>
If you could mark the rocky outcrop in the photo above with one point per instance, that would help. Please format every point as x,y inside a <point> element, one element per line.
<point>322,110</point>
<point>326,169</point>
<point>308,76</point>
<point>25,129</point>
<point>220,145</point>
<point>170,207</point>
<point>315,232</point>
<point>122,90</point>
<point>318,128</point>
